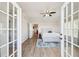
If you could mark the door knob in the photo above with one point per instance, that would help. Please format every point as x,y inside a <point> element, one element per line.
<point>60,38</point>
<point>60,34</point>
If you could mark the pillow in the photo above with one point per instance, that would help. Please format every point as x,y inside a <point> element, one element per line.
<point>49,31</point>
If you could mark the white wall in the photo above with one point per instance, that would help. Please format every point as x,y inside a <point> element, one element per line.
<point>55,25</point>
<point>30,30</point>
<point>24,28</point>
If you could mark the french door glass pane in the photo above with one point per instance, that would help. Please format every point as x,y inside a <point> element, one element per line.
<point>76,30</point>
<point>75,16</point>
<point>65,12</point>
<point>65,29</point>
<point>15,45</point>
<point>69,9</point>
<point>64,37</point>
<point>69,48</point>
<point>65,20</point>
<point>75,6</point>
<point>3,37</point>
<point>3,6</point>
<point>15,22</point>
<point>69,35</point>
<point>3,51</point>
<point>10,48</point>
<point>76,37</point>
<point>65,32</point>
<point>15,9</point>
<point>10,22</point>
<point>64,54</point>
<point>15,17</point>
<point>3,20</point>
<point>75,51</point>
<point>64,45</point>
<point>15,55</point>
<point>65,25</point>
<point>10,35</point>
<point>69,28</point>
<point>15,36</point>
<point>10,8</point>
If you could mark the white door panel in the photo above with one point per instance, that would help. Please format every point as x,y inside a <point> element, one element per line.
<point>70,29</point>
<point>10,18</point>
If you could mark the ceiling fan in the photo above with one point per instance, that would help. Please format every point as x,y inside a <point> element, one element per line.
<point>47,13</point>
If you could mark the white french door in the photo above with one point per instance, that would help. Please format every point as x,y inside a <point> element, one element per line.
<point>70,29</point>
<point>9,29</point>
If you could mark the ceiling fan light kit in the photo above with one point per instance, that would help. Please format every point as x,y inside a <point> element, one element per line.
<point>47,13</point>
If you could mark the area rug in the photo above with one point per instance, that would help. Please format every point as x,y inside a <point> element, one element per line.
<point>41,44</point>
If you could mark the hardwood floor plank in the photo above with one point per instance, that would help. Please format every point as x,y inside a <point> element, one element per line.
<point>29,49</point>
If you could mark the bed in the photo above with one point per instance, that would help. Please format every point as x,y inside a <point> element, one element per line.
<point>50,36</point>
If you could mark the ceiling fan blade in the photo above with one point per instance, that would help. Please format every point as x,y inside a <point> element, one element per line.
<point>50,15</point>
<point>44,15</point>
<point>52,12</point>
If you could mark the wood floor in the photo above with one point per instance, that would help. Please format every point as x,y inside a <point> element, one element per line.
<point>29,49</point>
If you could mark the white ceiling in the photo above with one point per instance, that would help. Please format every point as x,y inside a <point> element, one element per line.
<point>33,9</point>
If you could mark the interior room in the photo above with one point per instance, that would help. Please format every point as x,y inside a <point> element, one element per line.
<point>40,24</point>
<point>39,29</point>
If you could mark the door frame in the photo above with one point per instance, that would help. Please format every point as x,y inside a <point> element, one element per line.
<point>62,29</point>
<point>18,34</point>
<point>19,23</point>
<point>19,43</point>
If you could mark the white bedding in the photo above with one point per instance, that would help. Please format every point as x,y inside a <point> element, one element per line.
<point>50,37</point>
